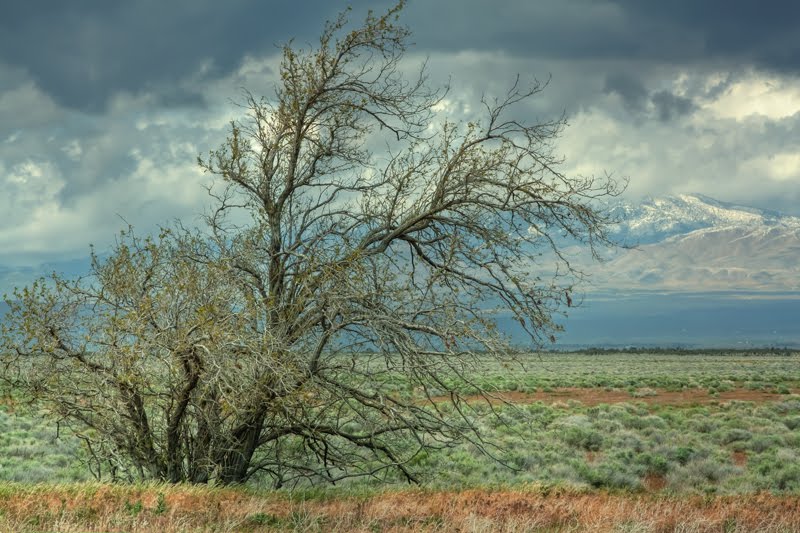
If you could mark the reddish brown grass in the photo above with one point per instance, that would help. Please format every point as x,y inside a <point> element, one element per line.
<point>103,508</point>
<point>654,482</point>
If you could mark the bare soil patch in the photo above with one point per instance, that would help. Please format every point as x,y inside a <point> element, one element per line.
<point>739,458</point>
<point>595,396</point>
<point>592,457</point>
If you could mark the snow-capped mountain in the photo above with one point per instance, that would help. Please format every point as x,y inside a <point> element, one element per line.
<point>690,242</point>
<point>655,219</point>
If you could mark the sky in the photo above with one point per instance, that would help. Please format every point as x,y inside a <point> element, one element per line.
<point>105,106</point>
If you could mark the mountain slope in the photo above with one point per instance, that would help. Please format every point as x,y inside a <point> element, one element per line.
<point>695,243</point>
<point>655,219</point>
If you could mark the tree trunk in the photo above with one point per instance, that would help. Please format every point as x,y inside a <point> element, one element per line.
<point>236,461</point>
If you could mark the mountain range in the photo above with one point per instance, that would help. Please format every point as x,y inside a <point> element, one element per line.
<point>692,272</point>
<point>692,243</point>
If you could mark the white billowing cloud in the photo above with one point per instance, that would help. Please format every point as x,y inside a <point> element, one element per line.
<point>726,148</point>
<point>73,149</point>
<point>730,135</point>
<point>778,167</point>
<point>32,212</point>
<point>39,227</point>
<point>70,179</point>
<point>785,167</point>
<point>25,106</point>
<point>769,96</point>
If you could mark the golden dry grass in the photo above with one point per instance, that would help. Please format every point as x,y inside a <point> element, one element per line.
<point>95,507</point>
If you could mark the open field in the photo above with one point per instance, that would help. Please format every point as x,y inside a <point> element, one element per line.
<point>614,442</point>
<point>713,371</point>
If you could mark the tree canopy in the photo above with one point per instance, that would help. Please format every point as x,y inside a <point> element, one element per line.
<point>323,324</point>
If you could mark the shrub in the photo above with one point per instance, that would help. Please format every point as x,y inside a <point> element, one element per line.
<point>653,463</point>
<point>788,478</point>
<point>735,435</point>
<point>697,474</point>
<point>587,439</point>
<point>609,475</point>
<point>683,454</point>
<point>628,441</point>
<point>792,422</point>
<point>762,443</point>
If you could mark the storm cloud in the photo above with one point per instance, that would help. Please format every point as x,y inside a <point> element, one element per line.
<point>81,53</point>
<point>104,106</point>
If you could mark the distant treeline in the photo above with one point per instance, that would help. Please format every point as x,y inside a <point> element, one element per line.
<point>774,350</point>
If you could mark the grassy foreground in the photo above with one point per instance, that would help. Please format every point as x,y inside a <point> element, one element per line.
<point>596,442</point>
<point>99,507</point>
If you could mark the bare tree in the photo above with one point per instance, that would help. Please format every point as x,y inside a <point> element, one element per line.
<point>325,323</point>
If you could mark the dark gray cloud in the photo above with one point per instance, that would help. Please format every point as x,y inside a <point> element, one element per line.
<point>664,104</point>
<point>630,89</point>
<point>762,33</point>
<point>669,106</point>
<point>83,52</point>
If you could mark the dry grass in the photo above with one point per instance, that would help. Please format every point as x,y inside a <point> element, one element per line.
<point>94,507</point>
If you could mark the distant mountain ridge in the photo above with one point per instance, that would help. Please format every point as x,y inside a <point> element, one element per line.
<point>656,219</point>
<point>690,242</point>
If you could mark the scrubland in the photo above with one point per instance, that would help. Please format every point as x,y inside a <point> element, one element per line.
<point>581,442</point>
